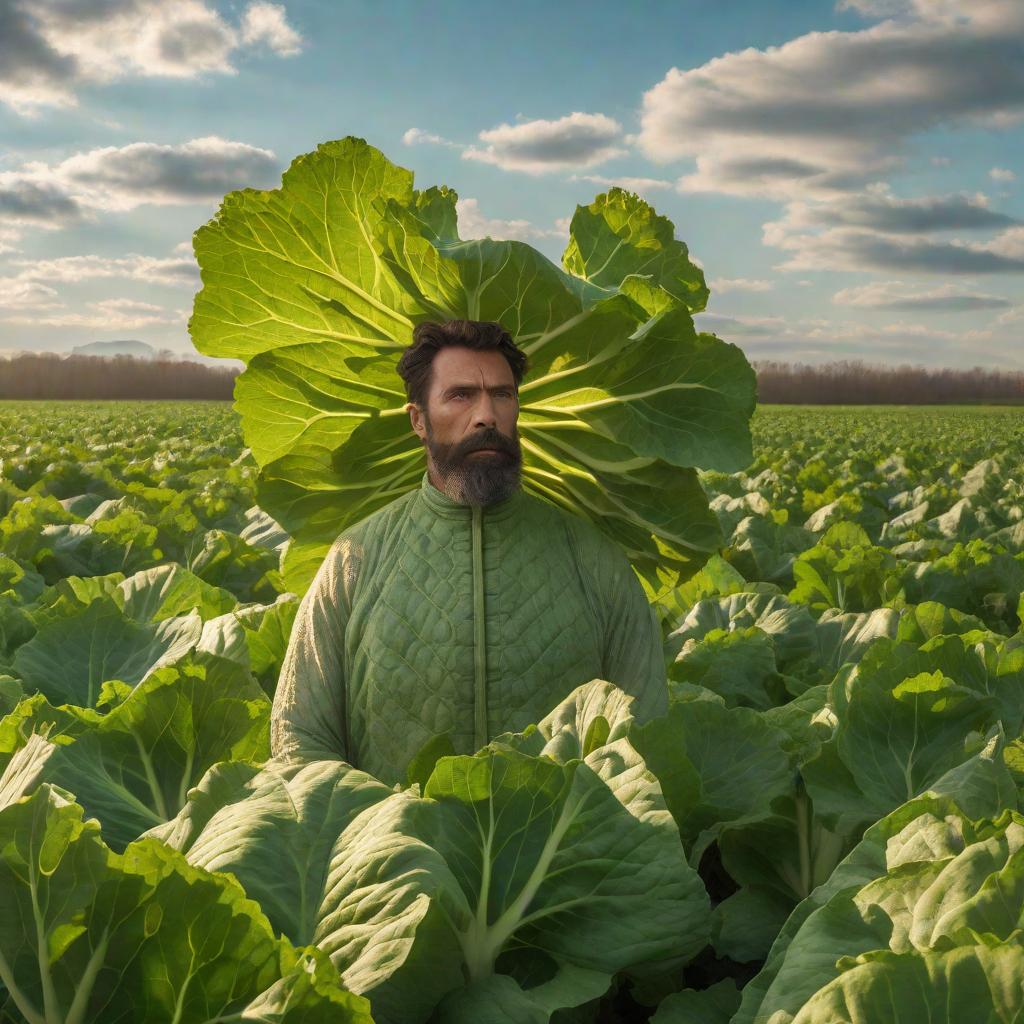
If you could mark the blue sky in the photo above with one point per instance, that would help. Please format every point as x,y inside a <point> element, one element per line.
<point>847,172</point>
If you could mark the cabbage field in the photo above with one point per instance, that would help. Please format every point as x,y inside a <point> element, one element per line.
<point>825,827</point>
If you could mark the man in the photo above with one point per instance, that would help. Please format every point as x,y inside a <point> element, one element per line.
<point>467,606</point>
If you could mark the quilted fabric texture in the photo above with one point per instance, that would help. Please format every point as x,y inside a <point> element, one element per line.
<point>382,654</point>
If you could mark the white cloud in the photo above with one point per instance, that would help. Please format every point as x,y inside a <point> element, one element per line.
<point>941,161</point>
<point>1002,174</point>
<point>897,296</point>
<point>874,230</point>
<point>638,185</point>
<point>873,8</point>
<point>126,306</point>
<point>1011,316</point>
<point>947,12</point>
<point>21,294</point>
<point>24,201</point>
<point>844,249</point>
<point>268,23</point>
<point>822,340</point>
<point>8,236</point>
<point>419,137</point>
<point>106,314</point>
<point>48,50</point>
<point>876,208</point>
<point>830,111</point>
<point>473,224</point>
<point>123,177</point>
<point>120,38</point>
<point>739,284</point>
<point>174,270</point>
<point>538,147</point>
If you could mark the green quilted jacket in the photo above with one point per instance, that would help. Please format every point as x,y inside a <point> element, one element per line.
<point>433,617</point>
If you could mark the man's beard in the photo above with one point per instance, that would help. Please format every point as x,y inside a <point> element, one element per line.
<point>477,479</point>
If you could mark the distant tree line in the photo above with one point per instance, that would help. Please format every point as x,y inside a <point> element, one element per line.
<point>850,382</point>
<point>854,382</point>
<point>51,375</point>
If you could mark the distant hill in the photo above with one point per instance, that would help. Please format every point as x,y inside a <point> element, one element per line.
<point>129,347</point>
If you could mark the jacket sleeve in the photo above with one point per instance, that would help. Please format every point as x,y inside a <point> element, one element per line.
<point>307,721</point>
<point>633,656</point>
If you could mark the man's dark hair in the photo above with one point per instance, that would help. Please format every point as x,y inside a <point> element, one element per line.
<point>415,366</point>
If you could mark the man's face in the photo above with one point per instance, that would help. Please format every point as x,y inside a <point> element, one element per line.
<point>472,406</point>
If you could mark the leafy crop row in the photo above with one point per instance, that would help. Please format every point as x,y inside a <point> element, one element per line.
<point>828,818</point>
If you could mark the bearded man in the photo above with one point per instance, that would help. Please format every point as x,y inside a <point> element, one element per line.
<point>466,607</point>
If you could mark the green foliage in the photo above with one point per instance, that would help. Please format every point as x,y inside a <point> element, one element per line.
<point>319,284</point>
<point>828,817</point>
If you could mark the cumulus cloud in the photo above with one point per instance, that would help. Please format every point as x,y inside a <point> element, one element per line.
<point>638,185</point>
<point>173,270</point>
<point>878,209</point>
<point>739,284</point>
<point>1002,174</point>
<point>419,137</point>
<point>124,177</point>
<point>105,314</point>
<point>539,147</point>
<point>842,249</point>
<point>874,230</point>
<point>896,296</point>
<point>268,23</point>
<point>1012,316</point>
<point>32,71</point>
<point>473,224</point>
<point>820,340</point>
<point>831,111</point>
<point>21,294</point>
<point>45,204</point>
<point>874,8</point>
<point>47,50</point>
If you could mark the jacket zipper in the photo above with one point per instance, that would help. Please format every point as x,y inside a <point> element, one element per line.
<point>480,736</point>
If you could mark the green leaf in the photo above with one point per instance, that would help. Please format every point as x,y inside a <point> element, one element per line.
<point>739,759</point>
<point>508,857</point>
<point>744,926</point>
<point>979,983</point>
<point>618,237</point>
<point>421,767</point>
<point>132,768</point>
<point>69,659</point>
<point>152,595</point>
<point>623,399</point>
<point>86,934</point>
<point>902,723</point>
<point>713,1005</point>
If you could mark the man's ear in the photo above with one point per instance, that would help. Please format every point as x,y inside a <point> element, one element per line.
<point>416,419</point>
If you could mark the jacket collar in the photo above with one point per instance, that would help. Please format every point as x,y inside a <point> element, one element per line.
<point>439,503</point>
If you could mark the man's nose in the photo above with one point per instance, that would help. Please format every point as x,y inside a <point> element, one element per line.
<point>485,414</point>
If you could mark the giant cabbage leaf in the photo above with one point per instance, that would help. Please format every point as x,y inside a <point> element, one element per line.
<point>943,831</point>
<point>548,858</point>
<point>91,935</point>
<point>318,285</point>
<point>936,932</point>
<point>133,766</point>
<point>70,659</point>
